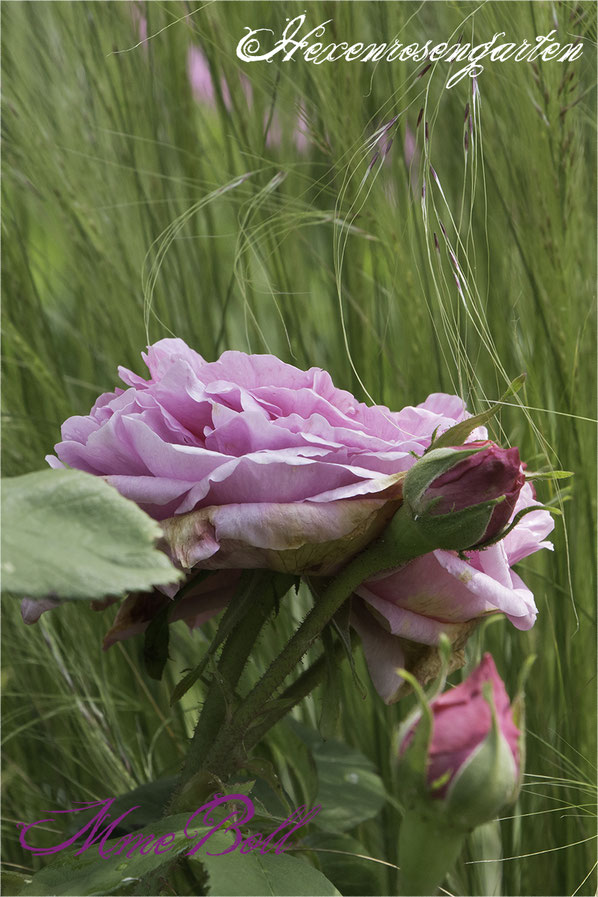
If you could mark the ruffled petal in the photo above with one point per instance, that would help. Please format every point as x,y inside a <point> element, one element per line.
<point>438,589</point>
<point>303,537</point>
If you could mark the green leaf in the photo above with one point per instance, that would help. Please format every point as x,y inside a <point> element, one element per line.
<point>251,874</point>
<point>69,534</point>
<point>340,622</point>
<point>458,434</point>
<point>294,763</point>
<point>149,799</point>
<point>89,873</point>
<point>349,789</point>
<point>344,861</point>
<point>13,882</point>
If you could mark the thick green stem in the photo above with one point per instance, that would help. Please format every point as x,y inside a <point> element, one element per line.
<point>400,543</point>
<point>292,695</point>
<point>305,684</point>
<point>427,852</point>
<point>232,662</point>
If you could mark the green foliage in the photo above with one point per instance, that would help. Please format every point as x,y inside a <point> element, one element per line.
<point>90,873</point>
<point>349,790</point>
<point>69,534</point>
<point>345,862</point>
<point>111,168</point>
<point>251,874</point>
<point>13,882</point>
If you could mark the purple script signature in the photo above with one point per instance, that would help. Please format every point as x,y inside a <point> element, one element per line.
<point>242,812</point>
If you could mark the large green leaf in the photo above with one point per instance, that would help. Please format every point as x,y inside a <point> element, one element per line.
<point>349,789</point>
<point>69,534</point>
<point>13,882</point>
<point>245,875</point>
<point>89,873</point>
<point>149,799</point>
<point>231,874</point>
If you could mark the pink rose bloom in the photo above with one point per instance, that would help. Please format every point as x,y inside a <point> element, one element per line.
<point>461,721</point>
<point>251,462</point>
<point>441,593</point>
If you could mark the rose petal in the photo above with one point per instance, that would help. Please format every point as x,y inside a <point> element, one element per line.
<point>304,536</point>
<point>438,589</point>
<point>383,653</point>
<point>205,601</point>
<point>32,609</point>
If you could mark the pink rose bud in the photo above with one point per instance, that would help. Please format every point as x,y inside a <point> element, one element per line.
<point>464,495</point>
<point>473,763</point>
<point>489,474</point>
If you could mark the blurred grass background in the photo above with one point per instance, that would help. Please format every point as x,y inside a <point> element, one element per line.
<point>139,205</point>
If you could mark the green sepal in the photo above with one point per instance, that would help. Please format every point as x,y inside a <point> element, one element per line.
<point>157,635</point>
<point>341,624</point>
<point>486,782</point>
<point>413,762</point>
<point>459,530</point>
<point>330,701</point>
<point>548,474</point>
<point>556,512</point>
<point>457,434</point>
<point>429,467</point>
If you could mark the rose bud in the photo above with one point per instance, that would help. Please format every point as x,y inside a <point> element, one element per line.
<point>469,730</point>
<point>460,763</point>
<point>464,495</point>
<point>489,474</point>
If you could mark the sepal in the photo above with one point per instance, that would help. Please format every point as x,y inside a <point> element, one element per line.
<point>487,781</point>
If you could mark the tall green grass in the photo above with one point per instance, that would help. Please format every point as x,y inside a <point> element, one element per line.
<point>132,212</point>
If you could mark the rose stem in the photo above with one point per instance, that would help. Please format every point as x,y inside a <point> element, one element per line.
<point>295,693</point>
<point>232,662</point>
<point>427,852</point>
<point>303,685</point>
<point>400,543</point>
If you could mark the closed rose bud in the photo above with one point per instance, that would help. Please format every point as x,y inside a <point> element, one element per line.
<point>489,474</point>
<point>473,761</point>
<point>460,763</point>
<point>464,495</point>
